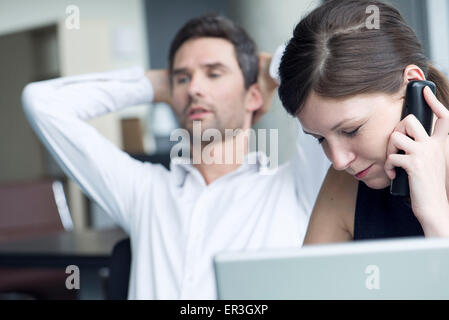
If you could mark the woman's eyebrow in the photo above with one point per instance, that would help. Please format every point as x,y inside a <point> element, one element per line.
<point>342,122</point>
<point>338,125</point>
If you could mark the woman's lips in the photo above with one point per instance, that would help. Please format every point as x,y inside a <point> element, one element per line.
<point>363,173</point>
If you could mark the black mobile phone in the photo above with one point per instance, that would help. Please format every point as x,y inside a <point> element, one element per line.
<point>414,104</point>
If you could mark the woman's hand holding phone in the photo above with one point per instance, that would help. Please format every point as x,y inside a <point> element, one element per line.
<point>425,162</point>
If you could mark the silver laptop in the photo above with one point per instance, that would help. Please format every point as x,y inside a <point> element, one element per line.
<point>410,268</point>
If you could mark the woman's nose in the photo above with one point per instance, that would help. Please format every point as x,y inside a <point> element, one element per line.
<point>340,157</point>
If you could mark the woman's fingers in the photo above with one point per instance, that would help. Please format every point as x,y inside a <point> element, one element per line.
<point>398,141</point>
<point>441,129</point>
<point>402,139</point>
<point>395,160</point>
<point>410,126</point>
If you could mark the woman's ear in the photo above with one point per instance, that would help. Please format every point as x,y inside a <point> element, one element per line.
<point>413,72</point>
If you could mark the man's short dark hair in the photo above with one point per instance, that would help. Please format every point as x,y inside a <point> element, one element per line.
<point>216,26</point>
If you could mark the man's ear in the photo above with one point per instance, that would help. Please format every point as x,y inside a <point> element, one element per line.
<point>254,99</point>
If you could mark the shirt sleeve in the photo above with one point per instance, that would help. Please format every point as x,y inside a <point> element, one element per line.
<point>275,63</point>
<point>58,110</point>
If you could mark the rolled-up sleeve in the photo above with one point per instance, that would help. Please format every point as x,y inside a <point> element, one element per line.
<point>58,110</point>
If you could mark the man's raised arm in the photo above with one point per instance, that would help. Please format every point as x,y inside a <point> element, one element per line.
<point>58,109</point>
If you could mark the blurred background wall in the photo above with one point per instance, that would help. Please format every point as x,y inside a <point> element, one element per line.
<point>37,44</point>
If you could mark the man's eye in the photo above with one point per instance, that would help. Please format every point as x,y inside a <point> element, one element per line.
<point>214,75</point>
<point>181,80</point>
<point>320,140</point>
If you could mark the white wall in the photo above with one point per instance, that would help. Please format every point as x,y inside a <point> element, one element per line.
<point>122,38</point>
<point>17,15</point>
<point>125,18</point>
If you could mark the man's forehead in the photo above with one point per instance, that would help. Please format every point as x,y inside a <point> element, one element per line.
<point>205,51</point>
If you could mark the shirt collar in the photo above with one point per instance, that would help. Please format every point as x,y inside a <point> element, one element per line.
<point>181,166</point>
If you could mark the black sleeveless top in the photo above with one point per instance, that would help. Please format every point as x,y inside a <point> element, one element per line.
<point>379,215</point>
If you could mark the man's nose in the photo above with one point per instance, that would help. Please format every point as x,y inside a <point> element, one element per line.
<point>340,156</point>
<point>196,86</point>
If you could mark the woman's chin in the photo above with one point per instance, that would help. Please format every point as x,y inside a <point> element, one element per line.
<point>378,183</point>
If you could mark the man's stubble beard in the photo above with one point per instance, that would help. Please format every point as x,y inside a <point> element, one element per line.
<point>213,121</point>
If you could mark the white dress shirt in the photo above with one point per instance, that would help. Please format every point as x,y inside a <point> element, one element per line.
<point>175,221</point>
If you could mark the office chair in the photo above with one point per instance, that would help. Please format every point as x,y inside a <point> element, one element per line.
<point>160,158</point>
<point>31,209</point>
<point>119,269</point>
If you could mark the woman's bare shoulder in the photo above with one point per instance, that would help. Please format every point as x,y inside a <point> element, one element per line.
<point>332,218</point>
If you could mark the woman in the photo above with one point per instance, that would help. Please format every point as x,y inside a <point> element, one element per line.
<point>346,81</point>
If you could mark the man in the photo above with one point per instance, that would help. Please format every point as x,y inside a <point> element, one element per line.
<point>178,219</point>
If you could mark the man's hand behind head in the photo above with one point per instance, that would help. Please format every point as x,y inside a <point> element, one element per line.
<point>160,80</point>
<point>266,84</point>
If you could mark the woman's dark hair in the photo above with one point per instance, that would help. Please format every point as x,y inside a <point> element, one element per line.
<point>335,53</point>
<point>216,26</point>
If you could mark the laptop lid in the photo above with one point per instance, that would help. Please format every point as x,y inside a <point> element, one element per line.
<point>409,268</point>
